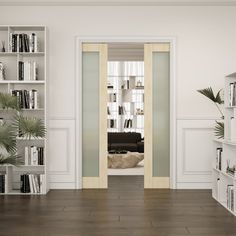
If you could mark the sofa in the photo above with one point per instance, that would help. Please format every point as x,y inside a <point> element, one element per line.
<point>129,141</point>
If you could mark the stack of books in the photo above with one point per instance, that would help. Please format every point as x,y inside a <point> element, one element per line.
<point>23,42</point>
<point>232,94</point>
<point>128,123</point>
<point>121,110</point>
<point>34,155</point>
<point>31,183</point>
<point>219,158</point>
<point>26,99</point>
<point>111,123</point>
<point>2,183</point>
<point>230,197</point>
<point>27,70</point>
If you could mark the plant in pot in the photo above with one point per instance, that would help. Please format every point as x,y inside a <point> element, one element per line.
<point>16,126</point>
<point>218,101</point>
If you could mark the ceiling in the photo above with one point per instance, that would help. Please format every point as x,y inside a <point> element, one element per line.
<point>122,2</point>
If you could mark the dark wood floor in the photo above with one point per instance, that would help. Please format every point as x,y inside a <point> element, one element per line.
<point>125,209</point>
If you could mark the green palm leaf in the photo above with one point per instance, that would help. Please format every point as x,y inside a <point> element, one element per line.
<point>208,92</point>
<point>8,137</point>
<point>8,102</point>
<point>219,129</point>
<point>30,127</point>
<point>218,98</point>
<point>9,160</point>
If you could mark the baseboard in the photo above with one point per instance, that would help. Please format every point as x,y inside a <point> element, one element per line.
<point>193,185</point>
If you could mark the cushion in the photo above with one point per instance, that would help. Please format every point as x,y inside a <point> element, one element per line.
<point>124,137</point>
<point>129,160</point>
<point>124,146</point>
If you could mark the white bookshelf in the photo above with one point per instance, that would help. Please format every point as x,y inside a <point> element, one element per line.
<point>129,95</point>
<point>11,63</point>
<point>221,178</point>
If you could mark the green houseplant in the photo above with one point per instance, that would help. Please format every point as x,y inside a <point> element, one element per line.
<point>218,101</point>
<point>18,126</point>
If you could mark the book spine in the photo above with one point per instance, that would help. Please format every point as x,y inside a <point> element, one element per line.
<point>35,99</point>
<point>10,42</point>
<point>26,155</point>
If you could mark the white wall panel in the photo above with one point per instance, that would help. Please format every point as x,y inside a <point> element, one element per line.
<point>62,153</point>
<point>194,153</point>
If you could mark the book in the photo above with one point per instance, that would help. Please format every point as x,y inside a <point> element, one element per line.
<point>34,155</point>
<point>230,197</point>
<point>27,156</point>
<point>25,183</point>
<point>219,158</point>
<point>2,183</point>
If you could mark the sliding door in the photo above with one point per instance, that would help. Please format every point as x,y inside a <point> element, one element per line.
<point>94,109</point>
<point>157,115</point>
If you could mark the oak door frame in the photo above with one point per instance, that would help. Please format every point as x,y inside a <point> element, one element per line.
<point>79,40</point>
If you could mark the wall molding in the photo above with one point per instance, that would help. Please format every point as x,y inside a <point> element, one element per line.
<point>185,171</point>
<point>62,174</point>
<point>118,3</point>
<point>194,153</point>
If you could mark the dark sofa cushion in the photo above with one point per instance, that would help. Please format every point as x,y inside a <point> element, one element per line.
<point>122,137</point>
<point>132,147</point>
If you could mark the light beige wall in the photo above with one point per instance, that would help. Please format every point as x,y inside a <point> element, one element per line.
<point>205,53</point>
<point>206,48</point>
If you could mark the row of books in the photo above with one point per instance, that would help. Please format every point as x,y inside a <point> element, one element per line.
<point>112,97</point>
<point>23,42</point>
<point>111,123</point>
<point>232,94</point>
<point>219,158</point>
<point>28,70</point>
<point>128,123</point>
<point>26,99</point>
<point>230,197</point>
<point>34,155</point>
<point>2,183</point>
<point>31,183</point>
<point>121,110</point>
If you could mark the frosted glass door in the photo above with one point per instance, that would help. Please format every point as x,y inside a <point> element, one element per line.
<point>161,114</point>
<point>94,117</point>
<point>90,109</point>
<point>157,115</point>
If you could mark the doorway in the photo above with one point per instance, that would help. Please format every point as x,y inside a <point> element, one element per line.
<point>158,170</point>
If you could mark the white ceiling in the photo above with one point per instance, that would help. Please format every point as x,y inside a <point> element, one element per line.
<point>122,2</point>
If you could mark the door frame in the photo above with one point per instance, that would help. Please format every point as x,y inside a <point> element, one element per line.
<point>79,40</point>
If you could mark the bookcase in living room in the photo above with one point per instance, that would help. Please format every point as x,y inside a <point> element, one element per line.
<point>126,96</point>
<point>23,58</point>
<point>224,164</point>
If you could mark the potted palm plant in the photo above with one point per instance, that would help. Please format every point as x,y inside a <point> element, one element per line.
<point>218,101</point>
<point>18,126</point>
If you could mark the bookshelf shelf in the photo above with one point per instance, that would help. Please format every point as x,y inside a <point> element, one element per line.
<point>25,65</point>
<point>224,184</point>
